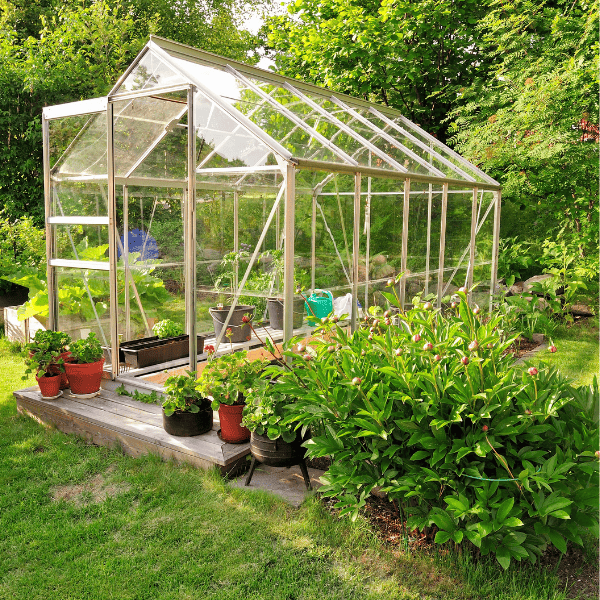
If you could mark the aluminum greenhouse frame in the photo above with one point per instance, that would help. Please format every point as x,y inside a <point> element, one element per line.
<point>281,144</point>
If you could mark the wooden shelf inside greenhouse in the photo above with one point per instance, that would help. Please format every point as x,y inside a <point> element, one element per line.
<point>136,427</point>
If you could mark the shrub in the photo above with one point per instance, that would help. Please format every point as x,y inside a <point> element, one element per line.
<point>167,328</point>
<point>433,410</point>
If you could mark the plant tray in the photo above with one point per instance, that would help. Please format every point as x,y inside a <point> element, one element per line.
<point>153,350</point>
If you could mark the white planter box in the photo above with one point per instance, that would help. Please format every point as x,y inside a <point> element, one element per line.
<point>19,331</point>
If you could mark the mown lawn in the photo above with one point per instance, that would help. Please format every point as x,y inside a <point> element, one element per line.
<point>577,351</point>
<point>80,521</point>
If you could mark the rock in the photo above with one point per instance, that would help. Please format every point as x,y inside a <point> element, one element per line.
<point>384,271</point>
<point>581,310</point>
<point>516,288</point>
<point>538,338</point>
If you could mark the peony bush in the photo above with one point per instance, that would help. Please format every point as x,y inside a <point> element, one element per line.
<point>430,407</point>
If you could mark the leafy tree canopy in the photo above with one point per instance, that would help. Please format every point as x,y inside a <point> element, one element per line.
<point>532,120</point>
<point>398,52</point>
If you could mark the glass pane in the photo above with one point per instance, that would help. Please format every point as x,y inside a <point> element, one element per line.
<point>70,199</point>
<point>78,146</point>
<point>83,303</point>
<point>81,242</point>
<point>150,72</point>
<point>222,141</point>
<point>151,242</point>
<point>140,125</point>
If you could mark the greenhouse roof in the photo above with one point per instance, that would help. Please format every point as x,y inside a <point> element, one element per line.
<point>250,119</point>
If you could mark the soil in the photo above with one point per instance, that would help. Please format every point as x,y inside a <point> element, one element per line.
<point>522,346</point>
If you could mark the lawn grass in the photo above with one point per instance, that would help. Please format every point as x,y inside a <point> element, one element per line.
<point>81,521</point>
<point>577,353</point>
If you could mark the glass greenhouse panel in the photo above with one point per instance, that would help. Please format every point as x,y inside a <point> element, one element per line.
<point>167,160</point>
<point>83,303</point>
<point>81,242</point>
<point>140,124</point>
<point>439,149</point>
<point>482,273</point>
<point>223,141</point>
<point>150,72</point>
<point>78,199</point>
<point>78,146</point>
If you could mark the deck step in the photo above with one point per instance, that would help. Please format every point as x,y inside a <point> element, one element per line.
<point>113,420</point>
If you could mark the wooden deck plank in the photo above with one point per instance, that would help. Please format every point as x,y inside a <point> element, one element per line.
<point>111,419</point>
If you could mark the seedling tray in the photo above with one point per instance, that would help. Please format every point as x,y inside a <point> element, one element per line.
<point>153,350</point>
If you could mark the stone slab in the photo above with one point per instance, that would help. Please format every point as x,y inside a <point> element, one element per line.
<point>285,482</point>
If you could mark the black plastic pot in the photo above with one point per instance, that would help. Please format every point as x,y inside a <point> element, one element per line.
<point>275,307</point>
<point>241,332</point>
<point>186,424</point>
<point>277,453</point>
<point>153,350</point>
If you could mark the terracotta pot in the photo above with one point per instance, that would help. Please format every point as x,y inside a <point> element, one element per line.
<point>85,378</point>
<point>232,430</point>
<point>185,424</point>
<point>64,380</point>
<point>49,386</point>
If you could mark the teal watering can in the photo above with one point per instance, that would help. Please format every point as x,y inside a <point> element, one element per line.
<point>320,305</point>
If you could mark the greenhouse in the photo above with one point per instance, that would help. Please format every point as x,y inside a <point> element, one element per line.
<point>201,183</point>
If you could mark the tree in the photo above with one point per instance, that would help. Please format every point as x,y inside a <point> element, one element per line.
<point>400,53</point>
<point>532,122</point>
<point>53,52</point>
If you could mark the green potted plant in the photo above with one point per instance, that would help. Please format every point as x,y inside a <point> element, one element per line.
<point>186,411</point>
<point>85,370</point>
<point>47,364</point>
<point>53,341</point>
<point>273,441</point>
<point>226,380</point>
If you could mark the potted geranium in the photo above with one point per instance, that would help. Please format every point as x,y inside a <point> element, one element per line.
<point>226,381</point>
<point>85,370</point>
<point>47,364</point>
<point>186,411</point>
<point>52,341</point>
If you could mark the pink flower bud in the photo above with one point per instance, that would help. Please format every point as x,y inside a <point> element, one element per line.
<point>390,282</point>
<point>437,357</point>
<point>597,453</point>
<point>454,304</point>
<point>484,428</point>
<point>376,323</point>
<point>335,319</point>
<point>363,352</point>
<point>427,306</point>
<point>399,351</point>
<point>416,337</point>
<point>388,322</point>
<point>552,348</point>
<point>427,346</point>
<point>331,349</point>
<point>370,337</point>
<point>387,314</point>
<point>301,348</point>
<point>356,381</point>
<point>462,289</point>
<point>476,310</point>
<point>325,320</point>
<point>246,319</point>
<point>464,360</point>
<point>307,357</point>
<point>473,346</point>
<point>527,411</point>
<point>532,371</point>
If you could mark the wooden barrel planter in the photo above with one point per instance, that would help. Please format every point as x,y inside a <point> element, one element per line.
<point>187,424</point>
<point>278,453</point>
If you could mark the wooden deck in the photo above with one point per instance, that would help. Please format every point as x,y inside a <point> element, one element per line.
<point>113,420</point>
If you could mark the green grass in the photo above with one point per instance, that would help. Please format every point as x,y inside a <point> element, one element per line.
<point>577,351</point>
<point>81,521</point>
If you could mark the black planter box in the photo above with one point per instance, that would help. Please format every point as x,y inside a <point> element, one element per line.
<point>153,350</point>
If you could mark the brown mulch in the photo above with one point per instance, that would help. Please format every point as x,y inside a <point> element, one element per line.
<point>575,571</point>
<point>522,346</point>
